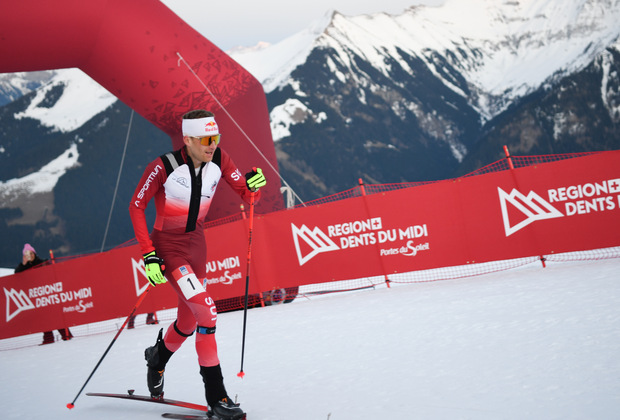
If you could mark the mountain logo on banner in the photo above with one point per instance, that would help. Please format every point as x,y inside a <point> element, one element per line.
<point>138,267</point>
<point>309,243</point>
<point>20,301</point>
<point>525,209</point>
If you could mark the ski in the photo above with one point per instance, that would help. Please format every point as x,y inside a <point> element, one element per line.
<point>186,416</point>
<point>130,396</point>
<point>208,416</point>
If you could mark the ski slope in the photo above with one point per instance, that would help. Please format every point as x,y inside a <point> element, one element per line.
<point>531,343</point>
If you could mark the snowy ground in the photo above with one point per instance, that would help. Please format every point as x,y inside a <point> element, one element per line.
<point>531,343</point>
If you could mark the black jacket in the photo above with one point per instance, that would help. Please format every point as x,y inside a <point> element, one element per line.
<point>21,267</point>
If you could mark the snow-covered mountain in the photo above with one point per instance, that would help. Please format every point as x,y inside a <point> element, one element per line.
<point>490,52</point>
<point>61,146</point>
<point>428,94</point>
<point>15,85</point>
<point>410,96</point>
<point>79,99</point>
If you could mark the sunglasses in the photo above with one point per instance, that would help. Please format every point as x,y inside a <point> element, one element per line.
<point>206,141</point>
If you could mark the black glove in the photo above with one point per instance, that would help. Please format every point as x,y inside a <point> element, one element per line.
<point>255,179</point>
<point>154,267</point>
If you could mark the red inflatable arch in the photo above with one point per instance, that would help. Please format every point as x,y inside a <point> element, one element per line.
<point>130,48</point>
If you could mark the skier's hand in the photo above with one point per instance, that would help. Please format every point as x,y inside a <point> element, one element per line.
<point>255,179</point>
<point>155,268</point>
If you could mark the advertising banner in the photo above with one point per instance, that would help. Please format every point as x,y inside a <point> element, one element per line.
<point>557,207</point>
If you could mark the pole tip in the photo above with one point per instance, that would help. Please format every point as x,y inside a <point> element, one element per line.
<point>70,406</point>
<point>241,374</point>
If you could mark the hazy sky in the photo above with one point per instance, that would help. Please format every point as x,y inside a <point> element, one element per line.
<point>231,23</point>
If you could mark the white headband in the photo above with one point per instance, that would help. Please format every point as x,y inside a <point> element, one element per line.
<point>200,127</point>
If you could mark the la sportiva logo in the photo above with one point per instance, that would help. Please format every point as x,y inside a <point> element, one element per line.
<point>532,206</point>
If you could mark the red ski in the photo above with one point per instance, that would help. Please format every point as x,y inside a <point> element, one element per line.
<point>130,396</point>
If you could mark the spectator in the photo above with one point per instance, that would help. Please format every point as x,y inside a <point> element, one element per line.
<point>151,319</point>
<point>30,259</point>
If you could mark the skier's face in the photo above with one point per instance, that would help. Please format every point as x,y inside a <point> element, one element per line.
<point>198,151</point>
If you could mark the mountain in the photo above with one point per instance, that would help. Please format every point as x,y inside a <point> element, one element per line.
<point>15,85</point>
<point>432,93</point>
<point>436,91</point>
<point>61,150</point>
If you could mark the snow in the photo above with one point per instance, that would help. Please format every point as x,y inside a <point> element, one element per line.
<point>608,92</point>
<point>81,100</point>
<point>504,50</point>
<point>6,271</point>
<point>44,180</point>
<point>528,343</point>
<point>273,64</point>
<point>290,113</point>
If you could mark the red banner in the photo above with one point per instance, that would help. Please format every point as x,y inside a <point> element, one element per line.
<point>563,206</point>
<point>549,208</point>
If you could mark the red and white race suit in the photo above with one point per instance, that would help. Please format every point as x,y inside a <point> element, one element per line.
<point>182,197</point>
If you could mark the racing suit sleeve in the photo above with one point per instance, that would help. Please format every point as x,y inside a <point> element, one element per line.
<point>152,180</point>
<point>235,179</point>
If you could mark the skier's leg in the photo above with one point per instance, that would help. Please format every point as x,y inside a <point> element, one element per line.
<point>156,358</point>
<point>204,312</point>
<point>217,397</point>
<point>182,328</point>
<point>48,337</point>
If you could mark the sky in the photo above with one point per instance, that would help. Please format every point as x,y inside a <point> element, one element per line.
<point>230,24</point>
<point>528,343</point>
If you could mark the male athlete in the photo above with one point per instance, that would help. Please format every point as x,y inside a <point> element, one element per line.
<point>182,184</point>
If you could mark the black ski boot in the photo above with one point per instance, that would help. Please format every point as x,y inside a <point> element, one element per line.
<point>225,409</point>
<point>220,403</point>
<point>156,358</point>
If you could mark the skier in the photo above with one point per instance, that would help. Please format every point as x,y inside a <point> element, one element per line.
<point>182,184</point>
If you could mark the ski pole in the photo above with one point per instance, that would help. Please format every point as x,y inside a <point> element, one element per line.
<point>241,374</point>
<point>133,311</point>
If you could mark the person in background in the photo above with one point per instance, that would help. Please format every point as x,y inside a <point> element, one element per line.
<point>182,184</point>
<point>30,259</point>
<point>151,319</point>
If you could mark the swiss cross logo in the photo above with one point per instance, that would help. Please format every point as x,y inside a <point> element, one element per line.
<point>519,210</point>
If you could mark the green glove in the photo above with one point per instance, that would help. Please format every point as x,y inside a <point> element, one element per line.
<point>255,179</point>
<point>154,267</point>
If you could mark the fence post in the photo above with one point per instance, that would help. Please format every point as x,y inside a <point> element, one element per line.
<point>363,189</point>
<point>508,157</point>
<point>542,260</point>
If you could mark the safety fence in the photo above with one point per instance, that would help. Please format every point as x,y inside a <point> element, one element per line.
<point>311,291</point>
<point>515,212</point>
